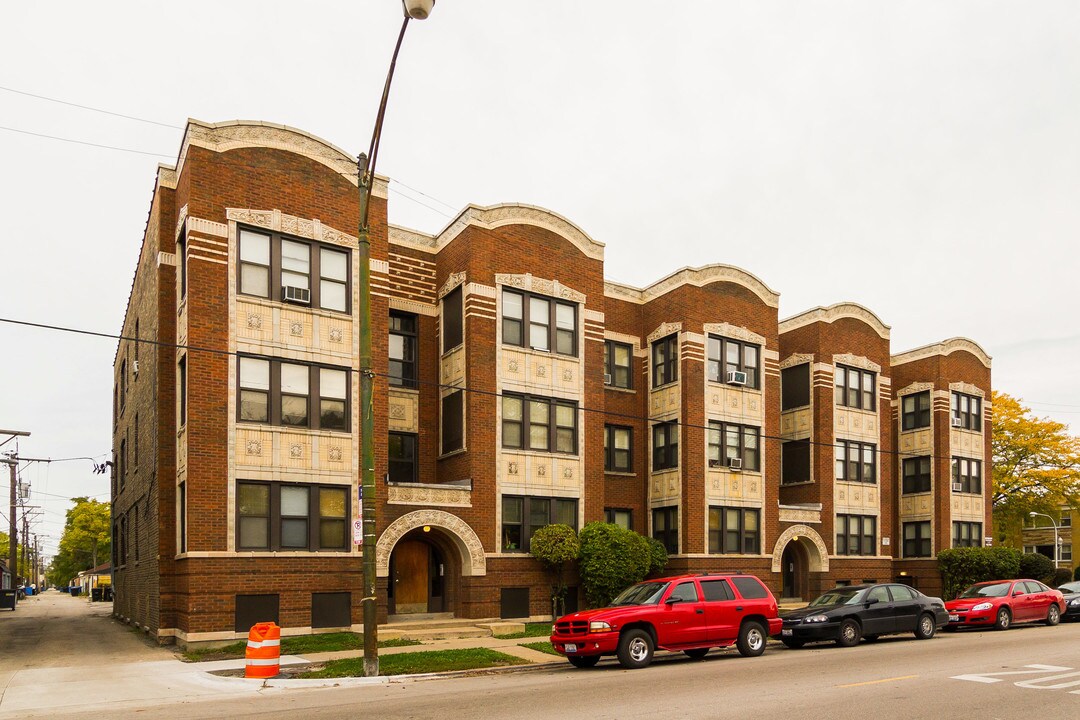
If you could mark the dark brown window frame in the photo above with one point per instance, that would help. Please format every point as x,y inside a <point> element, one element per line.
<point>452,424</point>
<point>452,319</point>
<point>718,538</point>
<point>971,419</point>
<point>411,343</point>
<point>669,536</point>
<point>552,426</point>
<point>861,464</point>
<point>974,534</point>
<point>666,453</point>
<point>314,273</point>
<point>795,387</point>
<point>610,458</point>
<point>314,397</point>
<point>412,462</point>
<point>919,546</point>
<point>917,417</point>
<point>181,375</point>
<point>664,360</point>
<point>918,481</point>
<point>867,543</point>
<point>721,428</point>
<point>314,518</point>
<point>861,402</point>
<point>717,367</point>
<point>610,366</point>
<point>970,482</point>
<point>526,527</point>
<point>611,516</point>
<point>525,322</point>
<point>787,469</point>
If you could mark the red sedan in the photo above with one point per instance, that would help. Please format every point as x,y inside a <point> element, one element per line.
<point>1000,603</point>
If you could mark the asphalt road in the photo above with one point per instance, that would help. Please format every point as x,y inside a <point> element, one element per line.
<point>894,678</point>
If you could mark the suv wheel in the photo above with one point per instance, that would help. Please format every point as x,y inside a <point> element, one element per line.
<point>850,632</point>
<point>751,640</point>
<point>926,627</point>
<point>583,661</point>
<point>635,649</point>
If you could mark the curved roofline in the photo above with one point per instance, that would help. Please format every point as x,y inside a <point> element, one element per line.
<point>698,277</point>
<point>834,312</point>
<point>945,347</point>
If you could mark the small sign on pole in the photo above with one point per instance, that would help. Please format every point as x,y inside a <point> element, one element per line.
<point>358,532</point>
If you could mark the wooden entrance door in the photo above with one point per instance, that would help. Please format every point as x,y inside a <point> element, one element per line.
<point>793,571</point>
<point>412,576</point>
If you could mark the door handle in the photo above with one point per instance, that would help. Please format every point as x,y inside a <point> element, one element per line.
<point>699,611</point>
<point>738,608</point>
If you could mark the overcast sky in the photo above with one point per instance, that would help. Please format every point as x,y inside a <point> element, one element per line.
<point>919,158</point>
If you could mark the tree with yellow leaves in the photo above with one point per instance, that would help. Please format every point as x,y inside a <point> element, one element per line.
<point>1036,466</point>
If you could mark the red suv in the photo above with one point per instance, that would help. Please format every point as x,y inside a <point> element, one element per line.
<point>691,613</point>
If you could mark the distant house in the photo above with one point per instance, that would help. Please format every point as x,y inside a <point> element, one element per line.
<point>5,575</point>
<point>1039,537</point>
<point>87,580</point>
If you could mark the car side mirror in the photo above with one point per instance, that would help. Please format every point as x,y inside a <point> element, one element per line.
<point>871,601</point>
<point>1018,593</point>
<point>672,600</point>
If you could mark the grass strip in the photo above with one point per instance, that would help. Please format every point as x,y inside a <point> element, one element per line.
<point>297,645</point>
<point>540,629</point>
<point>544,647</point>
<point>430,661</point>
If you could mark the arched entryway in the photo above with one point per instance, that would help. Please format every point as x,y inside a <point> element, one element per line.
<point>799,552</point>
<point>794,572</point>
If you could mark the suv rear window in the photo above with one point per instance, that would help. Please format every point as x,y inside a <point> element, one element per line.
<point>750,588</point>
<point>716,590</point>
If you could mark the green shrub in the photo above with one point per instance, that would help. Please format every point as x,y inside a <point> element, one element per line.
<point>612,558</point>
<point>1036,566</point>
<point>556,547</point>
<point>961,567</point>
<point>657,556</point>
<point>1060,577</point>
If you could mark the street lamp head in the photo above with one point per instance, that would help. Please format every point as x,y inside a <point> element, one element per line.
<point>1032,513</point>
<point>418,9</point>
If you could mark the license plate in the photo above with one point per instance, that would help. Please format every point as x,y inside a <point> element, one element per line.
<point>786,631</point>
<point>571,647</point>
<point>954,618</point>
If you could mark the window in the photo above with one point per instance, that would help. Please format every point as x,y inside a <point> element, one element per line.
<point>665,523</point>
<point>665,360</point>
<point>916,475</point>
<point>794,462</point>
<point>685,592</point>
<point>618,363</point>
<point>402,350</point>
<point>856,534</point>
<point>620,516</point>
<point>285,393</point>
<point>123,385</point>
<point>727,356</point>
<point>136,348</point>
<point>856,461</point>
<point>453,422</point>
<point>916,539</point>
<point>122,472</point>
<point>618,448</point>
<point>856,388</point>
<point>181,373</point>
<point>181,502</point>
<point>135,450</point>
<point>538,322</point>
<point>1066,519</point>
<point>750,587</point>
<point>916,410</point>
<point>734,530</point>
<point>402,457</point>
<point>967,534</point>
<point>716,590</point>
<point>967,409</point>
<point>181,264</point>
<point>453,330</point>
<point>665,437</point>
<point>289,516</point>
<point>729,442</point>
<point>538,423</point>
<point>270,263</point>
<point>522,516</point>
<point>795,387</point>
<point>123,540</point>
<point>968,474</point>
<point>1066,552</point>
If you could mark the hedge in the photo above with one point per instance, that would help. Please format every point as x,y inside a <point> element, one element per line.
<point>612,559</point>
<point>961,567</point>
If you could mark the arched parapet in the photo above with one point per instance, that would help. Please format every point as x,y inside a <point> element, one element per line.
<point>496,216</point>
<point>469,547</point>
<point>945,347</point>
<point>832,313</point>
<point>810,540</point>
<point>696,277</point>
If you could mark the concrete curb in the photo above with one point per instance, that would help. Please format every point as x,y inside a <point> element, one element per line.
<point>300,683</point>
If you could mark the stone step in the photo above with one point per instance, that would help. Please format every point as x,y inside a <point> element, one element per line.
<point>449,632</point>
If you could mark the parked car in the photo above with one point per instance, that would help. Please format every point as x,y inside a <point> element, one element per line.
<point>847,614</point>
<point>1000,603</point>
<point>691,613</point>
<point>1070,594</point>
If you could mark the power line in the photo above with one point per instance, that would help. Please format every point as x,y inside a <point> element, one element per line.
<point>93,109</point>
<point>445,386</point>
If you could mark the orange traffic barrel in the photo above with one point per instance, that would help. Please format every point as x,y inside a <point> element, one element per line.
<point>263,654</point>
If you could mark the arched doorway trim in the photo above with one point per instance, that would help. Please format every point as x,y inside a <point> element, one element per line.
<point>815,548</point>
<point>473,560</point>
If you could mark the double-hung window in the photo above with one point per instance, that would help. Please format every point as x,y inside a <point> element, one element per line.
<point>294,394</point>
<point>916,472</point>
<point>290,516</point>
<point>665,360</point>
<point>618,358</point>
<point>856,461</point>
<point>333,279</point>
<point>916,539</point>
<point>916,410</point>
<point>734,530</point>
<point>727,356</point>
<point>665,437</point>
<point>623,517</point>
<point>254,264</point>
<point>285,393</point>
<point>539,423</point>
<point>728,442</point>
<point>967,534</point>
<point>453,421</point>
<point>618,448</point>
<point>665,523</point>
<point>856,534</point>
<point>277,267</point>
<point>539,322</point>
<point>856,388</point>
<point>524,515</point>
<point>403,462</point>
<point>967,411</point>
<point>402,350</point>
<point>967,474</point>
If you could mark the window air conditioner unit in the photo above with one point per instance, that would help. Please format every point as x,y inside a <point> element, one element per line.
<point>607,378</point>
<point>736,377</point>
<point>135,367</point>
<point>958,422</point>
<point>298,295</point>
<point>957,487</point>
<point>734,463</point>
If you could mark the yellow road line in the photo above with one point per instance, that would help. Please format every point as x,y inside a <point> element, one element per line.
<point>875,682</point>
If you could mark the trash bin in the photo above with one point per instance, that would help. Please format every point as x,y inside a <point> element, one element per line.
<point>7,598</point>
<point>74,592</point>
<point>106,593</point>
<point>95,594</point>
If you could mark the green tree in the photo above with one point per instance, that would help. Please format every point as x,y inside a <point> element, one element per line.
<point>24,566</point>
<point>557,548</point>
<point>612,558</point>
<point>86,542</point>
<point>1036,467</point>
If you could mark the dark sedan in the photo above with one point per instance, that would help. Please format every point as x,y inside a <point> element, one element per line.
<point>845,615</point>
<point>1071,592</point>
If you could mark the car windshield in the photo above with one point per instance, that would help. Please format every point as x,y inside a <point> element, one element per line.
<point>642,594</point>
<point>990,590</point>
<point>838,596</point>
<point>1070,587</point>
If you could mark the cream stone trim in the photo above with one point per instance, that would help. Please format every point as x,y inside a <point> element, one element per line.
<point>428,494</point>
<point>594,316</point>
<point>801,513</point>
<point>207,227</point>
<point>412,306</point>
<point>473,561</point>
<point>166,176</point>
<point>181,218</point>
<point>945,347</point>
<point>817,552</point>
<point>452,282</point>
<point>856,361</point>
<point>166,258</point>
<point>796,359</point>
<point>379,266</point>
<point>967,388</point>
<point>278,221</point>
<point>734,332</point>
<point>412,239</point>
<point>832,313</point>
<point>495,216</point>
<point>235,134</point>
<point>663,330</point>
<point>531,283</point>
<point>914,388</point>
<point>697,277</point>
<point>632,340</point>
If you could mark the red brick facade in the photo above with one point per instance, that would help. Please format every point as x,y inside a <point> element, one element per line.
<point>449,538</point>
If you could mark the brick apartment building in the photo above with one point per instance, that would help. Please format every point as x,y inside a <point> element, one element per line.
<point>515,388</point>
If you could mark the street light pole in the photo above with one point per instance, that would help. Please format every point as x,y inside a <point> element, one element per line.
<point>1057,540</point>
<point>419,10</point>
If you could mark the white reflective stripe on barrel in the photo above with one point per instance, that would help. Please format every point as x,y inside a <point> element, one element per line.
<point>254,661</point>
<point>263,643</point>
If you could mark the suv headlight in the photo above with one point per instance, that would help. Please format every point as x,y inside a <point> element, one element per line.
<point>983,606</point>
<point>599,626</point>
<point>817,619</point>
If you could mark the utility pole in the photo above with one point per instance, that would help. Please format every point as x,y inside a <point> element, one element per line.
<point>13,542</point>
